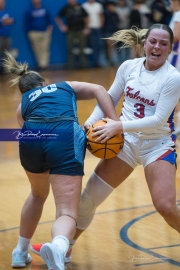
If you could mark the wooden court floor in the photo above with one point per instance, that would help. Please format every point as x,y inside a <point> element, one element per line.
<point>126,233</point>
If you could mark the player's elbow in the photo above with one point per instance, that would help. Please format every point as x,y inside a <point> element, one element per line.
<point>160,123</point>
<point>100,88</point>
<point>99,91</point>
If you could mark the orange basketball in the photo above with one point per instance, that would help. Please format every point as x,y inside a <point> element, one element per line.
<point>106,150</point>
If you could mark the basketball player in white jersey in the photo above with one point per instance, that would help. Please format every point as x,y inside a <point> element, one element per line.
<point>151,89</point>
<point>174,57</point>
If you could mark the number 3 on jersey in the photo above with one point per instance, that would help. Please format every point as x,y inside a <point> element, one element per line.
<point>140,110</point>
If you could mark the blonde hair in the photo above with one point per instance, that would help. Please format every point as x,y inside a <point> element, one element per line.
<point>135,37</point>
<point>19,74</point>
<point>14,69</point>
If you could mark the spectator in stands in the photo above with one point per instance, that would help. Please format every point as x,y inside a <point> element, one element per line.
<point>39,28</point>
<point>145,11</point>
<point>135,21</point>
<point>6,22</point>
<point>102,2</point>
<point>111,24</point>
<point>96,21</point>
<point>76,29</point>
<point>159,12</point>
<point>123,10</point>
<point>135,15</point>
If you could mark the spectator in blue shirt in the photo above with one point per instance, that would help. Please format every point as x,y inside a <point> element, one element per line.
<point>6,22</point>
<point>39,28</point>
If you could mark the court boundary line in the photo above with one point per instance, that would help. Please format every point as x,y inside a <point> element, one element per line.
<point>98,213</point>
<point>123,233</point>
<point>124,236</point>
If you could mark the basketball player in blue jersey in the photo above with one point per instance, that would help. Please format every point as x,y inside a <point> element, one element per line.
<point>51,110</point>
<point>151,89</point>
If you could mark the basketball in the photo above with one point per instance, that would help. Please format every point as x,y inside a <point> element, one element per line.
<point>106,150</point>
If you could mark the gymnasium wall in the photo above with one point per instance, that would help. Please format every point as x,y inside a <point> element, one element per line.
<point>19,38</point>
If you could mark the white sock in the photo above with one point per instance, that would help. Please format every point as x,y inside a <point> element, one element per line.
<point>62,242</point>
<point>23,244</point>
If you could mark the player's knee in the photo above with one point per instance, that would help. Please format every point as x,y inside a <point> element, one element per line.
<point>86,210</point>
<point>39,196</point>
<point>165,208</point>
<point>86,204</point>
<point>95,192</point>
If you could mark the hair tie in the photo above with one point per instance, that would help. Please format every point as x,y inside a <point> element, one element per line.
<point>22,72</point>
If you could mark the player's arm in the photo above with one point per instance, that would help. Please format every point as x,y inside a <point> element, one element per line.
<point>19,116</point>
<point>116,91</point>
<point>167,102</point>
<point>86,91</point>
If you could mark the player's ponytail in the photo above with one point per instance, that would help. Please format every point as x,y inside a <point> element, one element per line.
<point>19,74</point>
<point>14,69</point>
<point>133,37</point>
<point>136,37</point>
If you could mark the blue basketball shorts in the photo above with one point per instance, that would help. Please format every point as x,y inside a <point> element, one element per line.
<point>61,153</point>
<point>137,151</point>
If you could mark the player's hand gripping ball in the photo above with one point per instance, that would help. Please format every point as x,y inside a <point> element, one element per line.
<point>106,150</point>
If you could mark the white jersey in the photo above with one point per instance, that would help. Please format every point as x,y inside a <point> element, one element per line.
<point>174,57</point>
<point>149,98</point>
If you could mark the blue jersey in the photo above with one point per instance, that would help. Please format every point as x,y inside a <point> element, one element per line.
<point>37,19</point>
<point>5,30</point>
<point>49,101</point>
<point>64,154</point>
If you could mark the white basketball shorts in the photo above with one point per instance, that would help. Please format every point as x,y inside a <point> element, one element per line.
<point>137,151</point>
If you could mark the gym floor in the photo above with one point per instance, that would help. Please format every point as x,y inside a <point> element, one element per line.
<point>126,233</point>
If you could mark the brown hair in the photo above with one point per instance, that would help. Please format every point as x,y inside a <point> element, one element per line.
<point>26,80</point>
<point>136,37</point>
